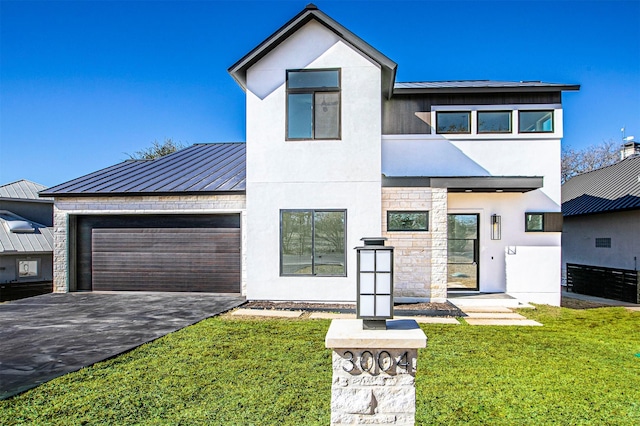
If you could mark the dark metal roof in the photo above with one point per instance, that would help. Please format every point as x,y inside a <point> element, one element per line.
<point>611,188</point>
<point>473,86</point>
<point>198,169</point>
<point>239,70</point>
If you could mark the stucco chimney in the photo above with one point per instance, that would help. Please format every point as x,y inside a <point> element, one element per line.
<point>630,149</point>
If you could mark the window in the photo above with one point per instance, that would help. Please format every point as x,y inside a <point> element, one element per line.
<point>534,222</point>
<point>603,242</point>
<point>536,121</point>
<point>28,269</point>
<point>407,221</point>
<point>494,121</point>
<point>453,122</point>
<point>313,104</point>
<point>312,242</point>
<point>543,222</point>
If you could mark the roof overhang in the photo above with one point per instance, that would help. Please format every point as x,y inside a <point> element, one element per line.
<point>239,70</point>
<point>142,194</point>
<point>468,183</point>
<point>28,200</point>
<point>485,89</point>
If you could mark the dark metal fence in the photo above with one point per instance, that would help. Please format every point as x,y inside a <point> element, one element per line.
<point>15,291</point>
<point>610,283</point>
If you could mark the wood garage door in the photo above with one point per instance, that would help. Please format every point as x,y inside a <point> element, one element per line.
<point>158,256</point>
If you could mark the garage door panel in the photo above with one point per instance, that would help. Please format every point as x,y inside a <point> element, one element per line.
<point>166,259</point>
<point>204,287</point>
<point>163,240</point>
<point>148,262</point>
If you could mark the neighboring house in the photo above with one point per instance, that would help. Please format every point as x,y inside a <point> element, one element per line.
<point>602,220</point>
<point>461,177</point>
<point>26,236</point>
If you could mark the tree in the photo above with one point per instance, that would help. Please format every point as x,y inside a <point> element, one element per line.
<point>157,150</point>
<point>575,162</point>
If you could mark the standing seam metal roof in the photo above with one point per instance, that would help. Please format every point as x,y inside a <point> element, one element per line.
<point>39,241</point>
<point>611,188</point>
<point>23,190</point>
<point>200,168</point>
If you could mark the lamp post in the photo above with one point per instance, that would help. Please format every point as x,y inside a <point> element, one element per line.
<point>374,301</point>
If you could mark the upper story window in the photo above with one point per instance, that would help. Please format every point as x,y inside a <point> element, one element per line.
<point>494,121</point>
<point>536,121</point>
<point>313,104</point>
<point>453,122</point>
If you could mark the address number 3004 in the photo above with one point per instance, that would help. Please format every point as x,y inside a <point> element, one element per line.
<point>374,362</point>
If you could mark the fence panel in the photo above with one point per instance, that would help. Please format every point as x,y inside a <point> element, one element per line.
<point>610,283</point>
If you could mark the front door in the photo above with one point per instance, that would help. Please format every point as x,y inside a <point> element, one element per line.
<point>462,252</point>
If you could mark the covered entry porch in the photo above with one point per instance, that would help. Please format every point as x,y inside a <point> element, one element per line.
<point>474,247</point>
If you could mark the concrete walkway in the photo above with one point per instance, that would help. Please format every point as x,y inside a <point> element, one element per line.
<point>46,336</point>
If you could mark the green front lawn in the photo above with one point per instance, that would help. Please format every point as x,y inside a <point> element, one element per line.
<point>582,367</point>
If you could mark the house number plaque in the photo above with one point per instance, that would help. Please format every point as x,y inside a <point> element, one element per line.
<point>376,362</point>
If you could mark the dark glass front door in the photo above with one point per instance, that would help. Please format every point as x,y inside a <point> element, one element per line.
<point>462,252</point>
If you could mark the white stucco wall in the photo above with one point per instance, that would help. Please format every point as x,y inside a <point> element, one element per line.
<point>532,274</point>
<point>475,154</point>
<point>335,174</point>
<point>511,208</point>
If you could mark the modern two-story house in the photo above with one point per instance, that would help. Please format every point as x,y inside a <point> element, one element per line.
<point>461,177</point>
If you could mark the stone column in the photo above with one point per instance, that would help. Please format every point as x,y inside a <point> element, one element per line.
<point>374,372</point>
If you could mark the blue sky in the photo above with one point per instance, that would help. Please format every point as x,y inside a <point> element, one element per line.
<point>84,83</point>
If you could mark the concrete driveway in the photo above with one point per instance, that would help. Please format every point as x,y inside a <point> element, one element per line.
<point>46,336</point>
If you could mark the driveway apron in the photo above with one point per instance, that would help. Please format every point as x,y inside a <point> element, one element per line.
<point>46,336</point>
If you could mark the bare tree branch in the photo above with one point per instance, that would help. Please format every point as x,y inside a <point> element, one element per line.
<point>575,162</point>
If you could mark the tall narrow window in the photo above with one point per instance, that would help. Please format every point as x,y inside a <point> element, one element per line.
<point>312,242</point>
<point>313,104</point>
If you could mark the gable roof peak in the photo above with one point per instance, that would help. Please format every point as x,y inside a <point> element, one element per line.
<point>311,12</point>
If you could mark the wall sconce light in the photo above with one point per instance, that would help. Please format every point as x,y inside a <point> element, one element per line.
<point>496,227</point>
<point>374,301</point>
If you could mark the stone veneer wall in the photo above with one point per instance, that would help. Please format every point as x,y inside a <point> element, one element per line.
<point>179,204</point>
<point>420,266</point>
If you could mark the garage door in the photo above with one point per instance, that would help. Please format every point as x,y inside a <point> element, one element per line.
<point>159,253</point>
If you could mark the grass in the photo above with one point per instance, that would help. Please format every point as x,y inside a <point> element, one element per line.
<point>582,367</point>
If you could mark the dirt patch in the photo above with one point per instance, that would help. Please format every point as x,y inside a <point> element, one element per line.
<point>571,303</point>
<point>426,309</point>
